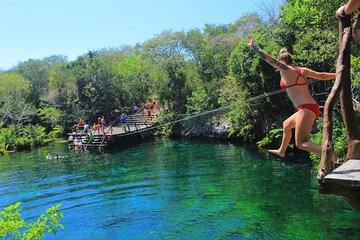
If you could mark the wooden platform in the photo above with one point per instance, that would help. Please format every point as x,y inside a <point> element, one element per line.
<point>347,174</point>
<point>138,128</point>
<point>344,180</point>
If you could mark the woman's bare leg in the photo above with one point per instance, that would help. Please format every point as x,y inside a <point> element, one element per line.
<point>288,125</point>
<point>303,127</point>
<point>305,120</point>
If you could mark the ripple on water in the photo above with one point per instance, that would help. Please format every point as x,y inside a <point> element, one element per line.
<point>177,190</point>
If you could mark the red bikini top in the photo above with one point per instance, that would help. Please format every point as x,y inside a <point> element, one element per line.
<point>283,86</point>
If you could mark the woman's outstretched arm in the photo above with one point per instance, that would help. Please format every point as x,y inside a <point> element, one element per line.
<point>267,57</point>
<point>318,75</point>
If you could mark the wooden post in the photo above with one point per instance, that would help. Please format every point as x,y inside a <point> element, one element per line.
<point>327,143</point>
<point>344,22</point>
<point>351,126</point>
<point>341,86</point>
<point>352,130</point>
<point>341,73</point>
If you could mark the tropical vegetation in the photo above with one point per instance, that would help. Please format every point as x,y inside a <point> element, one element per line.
<point>13,226</point>
<point>187,71</point>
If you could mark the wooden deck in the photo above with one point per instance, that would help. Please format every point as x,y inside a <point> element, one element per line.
<point>137,128</point>
<point>344,180</point>
<point>347,174</point>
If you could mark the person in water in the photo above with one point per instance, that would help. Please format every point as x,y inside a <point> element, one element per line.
<point>295,81</point>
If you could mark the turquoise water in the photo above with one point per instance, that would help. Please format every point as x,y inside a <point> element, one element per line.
<point>176,190</point>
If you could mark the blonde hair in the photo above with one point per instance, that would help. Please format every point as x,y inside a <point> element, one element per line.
<point>285,56</point>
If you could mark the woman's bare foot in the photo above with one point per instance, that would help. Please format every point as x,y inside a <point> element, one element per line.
<point>277,152</point>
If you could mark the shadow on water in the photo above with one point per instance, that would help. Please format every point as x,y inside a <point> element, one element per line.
<point>355,202</point>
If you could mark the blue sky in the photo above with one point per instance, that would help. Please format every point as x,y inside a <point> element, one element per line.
<point>40,28</point>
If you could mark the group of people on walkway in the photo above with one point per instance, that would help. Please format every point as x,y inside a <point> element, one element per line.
<point>295,81</point>
<point>99,127</point>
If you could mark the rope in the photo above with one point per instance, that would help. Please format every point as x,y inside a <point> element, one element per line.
<point>249,100</point>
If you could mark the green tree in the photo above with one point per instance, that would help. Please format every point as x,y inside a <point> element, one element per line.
<point>209,53</point>
<point>247,23</point>
<point>54,119</point>
<point>166,51</point>
<point>197,103</point>
<point>14,107</point>
<point>36,72</point>
<point>299,16</point>
<point>94,75</point>
<point>133,79</point>
<point>63,89</point>
<point>50,115</point>
<point>241,117</point>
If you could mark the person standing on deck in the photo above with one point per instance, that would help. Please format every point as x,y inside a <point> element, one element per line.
<point>295,81</point>
<point>98,126</point>
<point>148,114</point>
<point>135,108</point>
<point>91,136</point>
<point>103,124</point>
<point>112,123</point>
<point>123,121</point>
<point>86,128</point>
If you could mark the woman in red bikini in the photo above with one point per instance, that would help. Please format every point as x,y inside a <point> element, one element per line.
<point>295,81</point>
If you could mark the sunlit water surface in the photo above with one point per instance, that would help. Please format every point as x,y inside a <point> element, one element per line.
<point>176,190</point>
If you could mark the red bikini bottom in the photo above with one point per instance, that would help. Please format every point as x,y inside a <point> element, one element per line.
<point>314,107</point>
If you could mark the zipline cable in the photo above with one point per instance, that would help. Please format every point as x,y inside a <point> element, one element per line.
<point>249,100</point>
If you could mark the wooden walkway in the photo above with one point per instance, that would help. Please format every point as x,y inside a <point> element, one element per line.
<point>137,128</point>
<point>344,180</point>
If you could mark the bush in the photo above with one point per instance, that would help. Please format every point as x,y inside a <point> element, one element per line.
<point>3,149</point>
<point>17,137</point>
<point>339,138</point>
<point>14,227</point>
<point>274,136</point>
<point>56,132</point>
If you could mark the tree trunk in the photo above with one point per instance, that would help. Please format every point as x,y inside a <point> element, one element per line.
<point>341,86</point>
<point>351,126</point>
<point>342,74</point>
